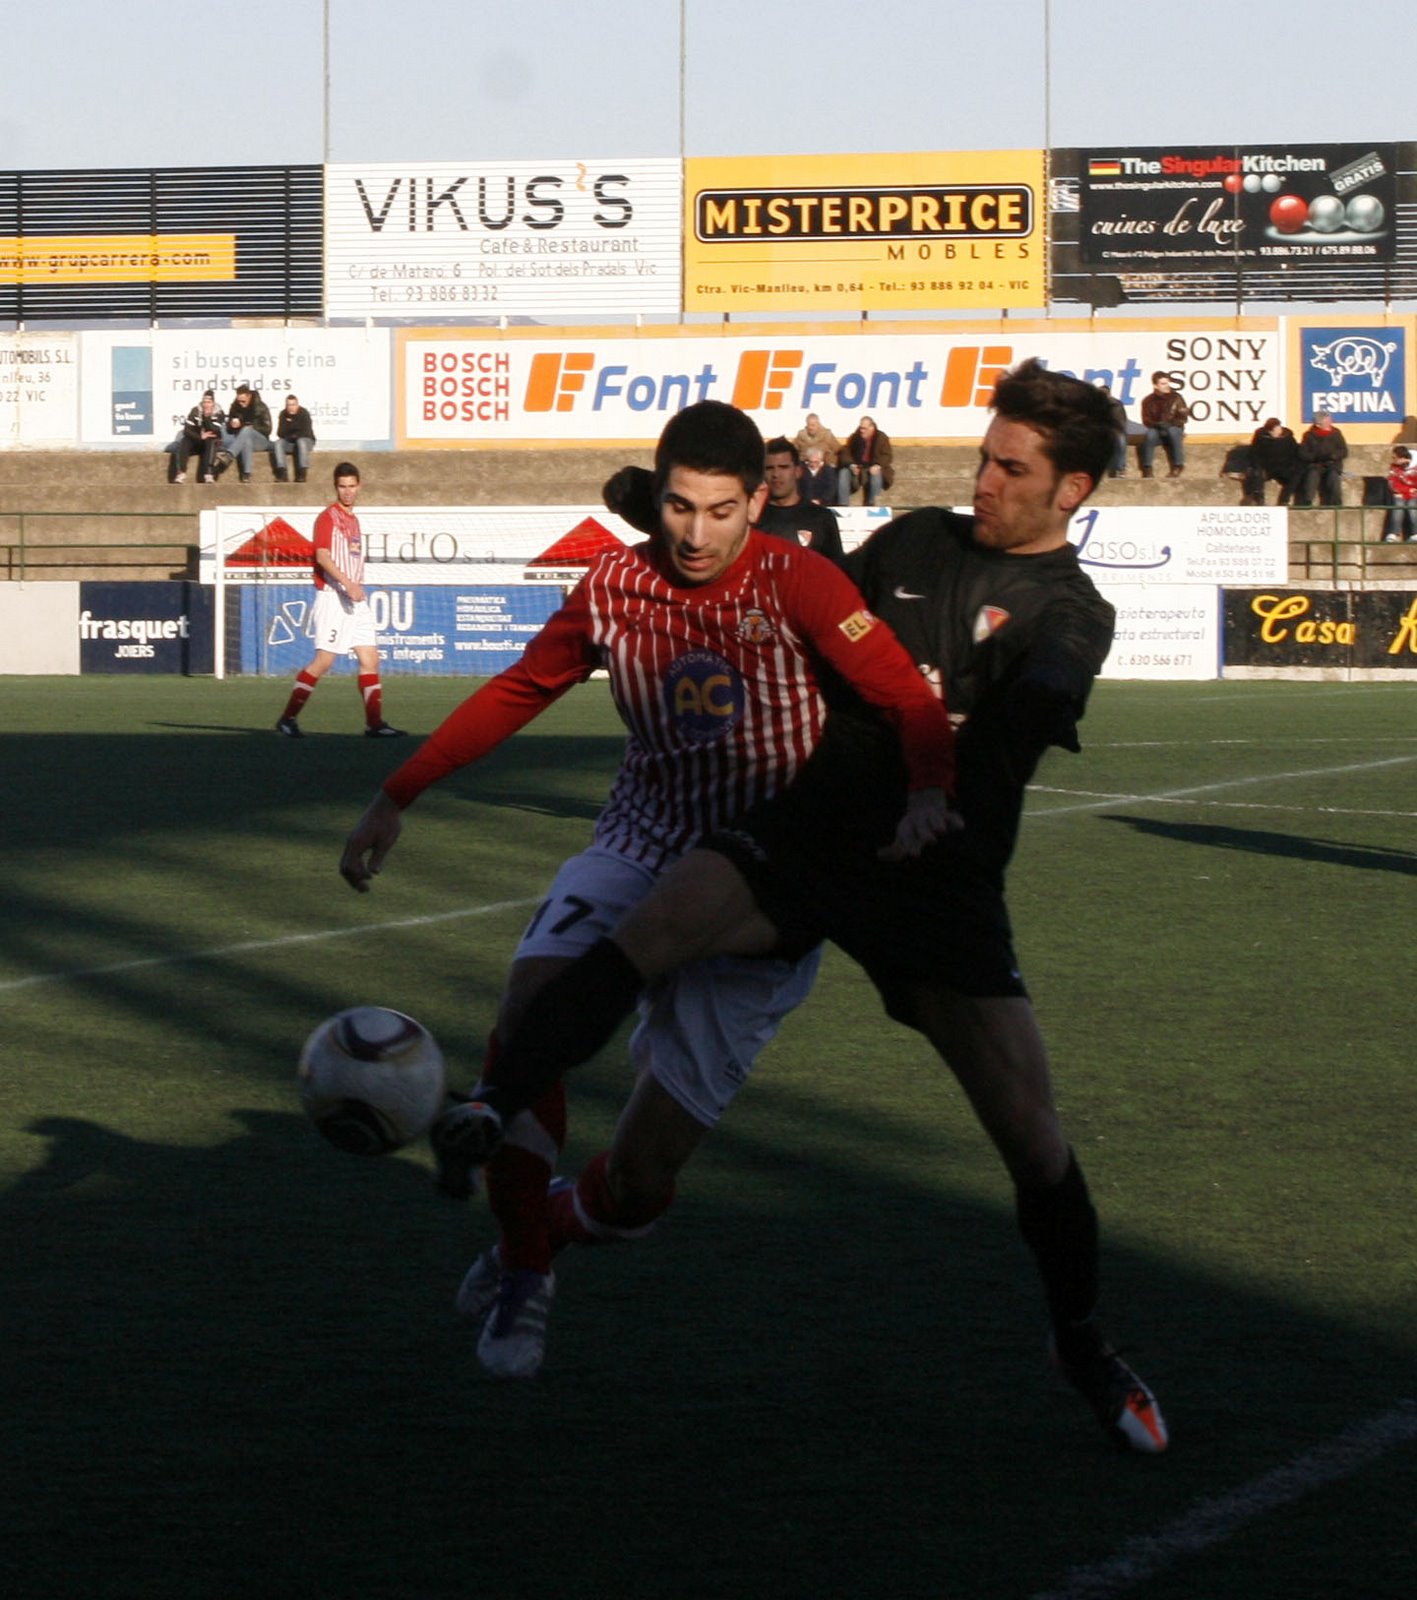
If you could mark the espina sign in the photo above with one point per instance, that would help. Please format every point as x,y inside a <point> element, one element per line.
<point>921,232</point>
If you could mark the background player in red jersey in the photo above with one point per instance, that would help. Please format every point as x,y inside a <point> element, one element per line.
<point>343,624</point>
<point>711,634</point>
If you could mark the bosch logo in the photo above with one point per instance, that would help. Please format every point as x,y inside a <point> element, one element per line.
<point>704,696</point>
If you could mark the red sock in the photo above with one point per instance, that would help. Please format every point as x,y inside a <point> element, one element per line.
<point>517,1179</point>
<point>590,1214</point>
<point>373,693</point>
<point>304,688</point>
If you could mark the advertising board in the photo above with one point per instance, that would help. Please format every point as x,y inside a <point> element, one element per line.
<point>1180,205</point>
<point>923,230</point>
<point>141,384</point>
<point>468,386</point>
<point>519,238</point>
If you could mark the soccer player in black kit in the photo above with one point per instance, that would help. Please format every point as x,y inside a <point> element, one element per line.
<point>997,612</point>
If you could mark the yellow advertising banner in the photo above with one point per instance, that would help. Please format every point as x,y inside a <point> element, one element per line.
<point>119,258</point>
<point>922,231</point>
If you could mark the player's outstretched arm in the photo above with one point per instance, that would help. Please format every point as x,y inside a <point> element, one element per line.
<point>368,846</point>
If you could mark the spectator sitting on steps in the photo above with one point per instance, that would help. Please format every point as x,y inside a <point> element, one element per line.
<point>201,435</point>
<point>1164,415</point>
<point>295,433</point>
<point>1401,520</point>
<point>818,482</point>
<point>248,428</point>
<point>1322,452</point>
<point>1274,457</point>
<point>865,463</point>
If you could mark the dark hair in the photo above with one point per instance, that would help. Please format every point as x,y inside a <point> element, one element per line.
<point>346,469</point>
<point>1072,418</point>
<point>711,437</point>
<point>1156,375</point>
<point>783,447</point>
<point>1272,422</point>
<point>1403,451</point>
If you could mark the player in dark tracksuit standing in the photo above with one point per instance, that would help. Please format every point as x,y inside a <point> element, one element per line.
<point>997,612</point>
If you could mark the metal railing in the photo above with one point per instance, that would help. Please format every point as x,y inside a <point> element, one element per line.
<point>23,557</point>
<point>1341,544</point>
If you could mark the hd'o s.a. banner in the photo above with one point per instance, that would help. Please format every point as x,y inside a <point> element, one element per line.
<point>1273,205</point>
<point>507,239</point>
<point>917,231</point>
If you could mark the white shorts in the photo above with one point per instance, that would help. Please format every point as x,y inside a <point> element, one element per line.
<point>340,625</point>
<point>701,1028</point>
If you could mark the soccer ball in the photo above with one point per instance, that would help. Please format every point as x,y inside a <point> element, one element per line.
<point>371,1080</point>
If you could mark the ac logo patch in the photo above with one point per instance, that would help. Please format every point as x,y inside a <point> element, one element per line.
<point>703,694</point>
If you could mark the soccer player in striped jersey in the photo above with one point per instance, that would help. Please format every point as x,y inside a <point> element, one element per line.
<point>996,610</point>
<point>343,624</point>
<point>714,637</point>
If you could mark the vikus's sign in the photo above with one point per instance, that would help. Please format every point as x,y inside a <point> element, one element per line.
<point>1355,373</point>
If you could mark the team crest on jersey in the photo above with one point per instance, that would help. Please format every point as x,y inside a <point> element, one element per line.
<point>857,625</point>
<point>804,537</point>
<point>988,621</point>
<point>755,628</point>
<point>703,694</point>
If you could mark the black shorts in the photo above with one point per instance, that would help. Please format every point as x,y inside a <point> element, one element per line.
<point>810,859</point>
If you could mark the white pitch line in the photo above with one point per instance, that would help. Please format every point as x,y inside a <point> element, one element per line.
<point>1228,783</point>
<point>1168,796</point>
<point>254,946</point>
<point>1213,1521</point>
<point>1235,805</point>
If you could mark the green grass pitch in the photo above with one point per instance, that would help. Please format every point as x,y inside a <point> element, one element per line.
<point>232,1364</point>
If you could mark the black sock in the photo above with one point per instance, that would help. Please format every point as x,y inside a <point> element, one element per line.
<point>572,1017</point>
<point>1059,1225</point>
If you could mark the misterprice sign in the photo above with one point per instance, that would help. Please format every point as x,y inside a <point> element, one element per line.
<point>463,388</point>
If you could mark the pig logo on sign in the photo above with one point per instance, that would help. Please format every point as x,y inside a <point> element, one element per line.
<point>1353,356</point>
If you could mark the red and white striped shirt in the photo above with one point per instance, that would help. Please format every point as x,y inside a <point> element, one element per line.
<point>337,530</point>
<point>716,684</point>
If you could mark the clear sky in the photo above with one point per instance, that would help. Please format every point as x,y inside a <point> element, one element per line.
<point>158,83</point>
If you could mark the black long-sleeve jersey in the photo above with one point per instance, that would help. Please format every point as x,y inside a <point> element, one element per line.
<point>1013,642</point>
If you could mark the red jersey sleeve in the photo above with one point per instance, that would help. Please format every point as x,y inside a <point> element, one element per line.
<point>324,533</point>
<point>834,619</point>
<point>557,658</point>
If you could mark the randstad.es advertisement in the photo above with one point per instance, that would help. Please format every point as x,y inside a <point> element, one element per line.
<point>1258,204</point>
<point>905,232</point>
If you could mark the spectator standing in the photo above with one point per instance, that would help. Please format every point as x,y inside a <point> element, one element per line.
<point>201,435</point>
<point>248,429</point>
<point>343,621</point>
<point>818,481</point>
<point>1164,415</point>
<point>1274,458</point>
<point>1322,452</point>
<point>815,437</point>
<point>295,434</point>
<point>866,462</point>
<point>1401,520</point>
<point>787,514</point>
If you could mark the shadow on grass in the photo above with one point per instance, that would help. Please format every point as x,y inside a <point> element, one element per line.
<point>1260,841</point>
<point>235,1373</point>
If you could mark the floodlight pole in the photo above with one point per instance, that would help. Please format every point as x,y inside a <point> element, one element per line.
<point>325,96</point>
